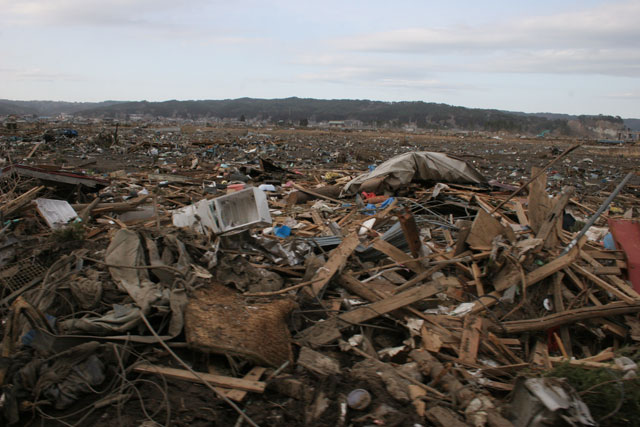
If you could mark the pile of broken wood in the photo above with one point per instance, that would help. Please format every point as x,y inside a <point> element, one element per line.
<point>434,303</point>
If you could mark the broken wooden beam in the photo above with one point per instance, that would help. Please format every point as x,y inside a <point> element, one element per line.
<point>215,380</point>
<point>531,278</point>
<point>325,332</point>
<point>337,260</point>
<point>566,317</point>
<point>398,255</point>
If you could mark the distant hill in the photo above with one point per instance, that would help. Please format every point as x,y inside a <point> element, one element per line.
<point>422,114</point>
<point>9,107</point>
<point>425,115</point>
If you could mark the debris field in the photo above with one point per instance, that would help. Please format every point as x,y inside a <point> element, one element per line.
<point>289,277</point>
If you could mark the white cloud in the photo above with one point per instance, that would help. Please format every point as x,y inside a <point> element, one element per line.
<point>110,13</point>
<point>602,40</point>
<point>613,25</point>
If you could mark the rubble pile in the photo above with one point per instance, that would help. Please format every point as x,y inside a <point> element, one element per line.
<point>224,283</point>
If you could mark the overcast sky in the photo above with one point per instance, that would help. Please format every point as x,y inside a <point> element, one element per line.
<point>565,56</point>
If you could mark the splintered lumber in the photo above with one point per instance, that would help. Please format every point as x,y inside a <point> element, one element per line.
<point>603,284</point>
<point>102,208</point>
<point>522,217</point>
<point>615,280</point>
<point>566,317</point>
<point>420,277</point>
<point>337,260</point>
<point>356,287</point>
<point>16,204</point>
<point>324,332</point>
<point>530,279</point>
<point>554,218</point>
<point>411,233</point>
<point>430,366</point>
<point>470,341</point>
<point>558,304</point>
<point>215,380</point>
<point>585,364</point>
<point>397,255</point>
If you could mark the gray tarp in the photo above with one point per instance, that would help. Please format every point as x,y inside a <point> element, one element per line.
<point>424,165</point>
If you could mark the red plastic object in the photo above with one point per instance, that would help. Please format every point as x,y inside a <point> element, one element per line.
<point>626,234</point>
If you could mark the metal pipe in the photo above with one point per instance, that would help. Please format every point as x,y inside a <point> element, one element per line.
<point>596,215</point>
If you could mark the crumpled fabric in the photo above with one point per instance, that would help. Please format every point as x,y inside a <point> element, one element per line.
<point>64,378</point>
<point>126,249</point>
<point>237,271</point>
<point>87,291</point>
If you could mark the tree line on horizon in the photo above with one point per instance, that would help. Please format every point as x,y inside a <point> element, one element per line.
<point>298,111</point>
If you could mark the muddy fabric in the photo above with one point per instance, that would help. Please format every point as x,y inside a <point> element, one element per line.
<point>120,320</point>
<point>87,291</point>
<point>126,249</point>
<point>237,271</point>
<point>64,378</point>
<point>424,165</point>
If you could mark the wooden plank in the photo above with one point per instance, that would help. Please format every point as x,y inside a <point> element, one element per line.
<point>603,284</point>
<point>532,278</point>
<point>575,279</point>
<point>567,317</point>
<point>411,233</point>
<point>215,380</point>
<point>398,255</point>
<point>470,341</point>
<point>522,217</point>
<point>615,280</point>
<point>558,305</point>
<point>356,287</point>
<point>337,260</point>
<point>419,278</point>
<point>477,274</point>
<point>502,347</point>
<point>16,204</point>
<point>547,231</point>
<point>253,375</point>
<point>606,271</point>
<point>585,364</point>
<point>539,202</point>
<point>618,255</point>
<point>329,330</point>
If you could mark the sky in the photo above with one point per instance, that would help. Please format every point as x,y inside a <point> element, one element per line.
<point>561,56</point>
